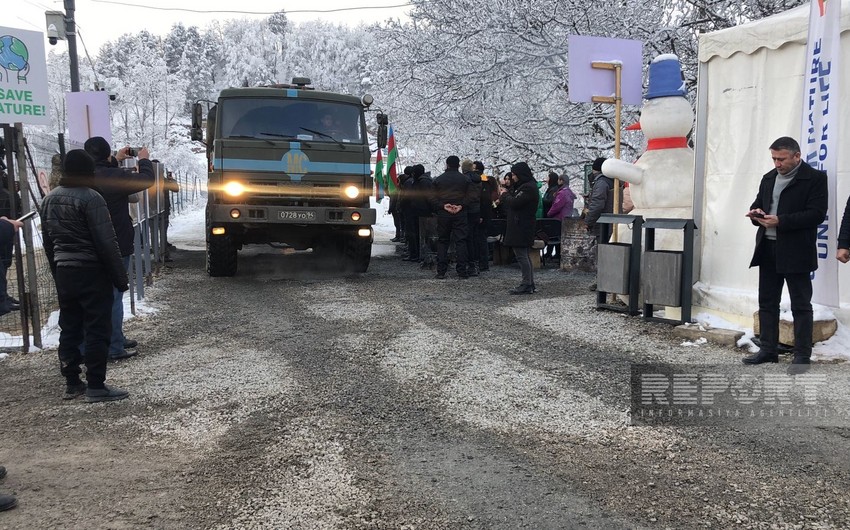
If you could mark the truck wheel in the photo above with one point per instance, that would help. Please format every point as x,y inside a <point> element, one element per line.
<point>221,256</point>
<point>358,252</point>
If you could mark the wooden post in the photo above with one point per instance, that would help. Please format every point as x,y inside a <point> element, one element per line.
<point>617,101</point>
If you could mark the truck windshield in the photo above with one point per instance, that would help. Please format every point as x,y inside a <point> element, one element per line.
<point>296,119</point>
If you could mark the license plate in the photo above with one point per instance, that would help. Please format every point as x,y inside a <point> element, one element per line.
<point>298,216</point>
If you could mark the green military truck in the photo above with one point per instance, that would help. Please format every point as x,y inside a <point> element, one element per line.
<point>288,165</point>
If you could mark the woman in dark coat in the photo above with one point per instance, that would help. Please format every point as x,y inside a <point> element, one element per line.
<point>520,204</point>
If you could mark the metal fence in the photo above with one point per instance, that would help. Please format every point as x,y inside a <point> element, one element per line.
<point>29,163</point>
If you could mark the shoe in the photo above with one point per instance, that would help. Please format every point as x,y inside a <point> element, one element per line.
<point>474,271</point>
<point>13,301</point>
<point>72,391</point>
<point>799,365</point>
<point>123,355</point>
<point>761,358</point>
<point>463,276</point>
<point>440,276</point>
<point>396,239</point>
<point>7,502</point>
<point>410,258</point>
<point>107,393</point>
<point>523,289</point>
<point>130,344</point>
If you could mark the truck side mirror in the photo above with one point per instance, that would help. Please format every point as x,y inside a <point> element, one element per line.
<point>197,122</point>
<point>383,120</point>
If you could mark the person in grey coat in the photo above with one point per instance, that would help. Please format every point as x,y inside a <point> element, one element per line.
<point>601,195</point>
<point>520,204</point>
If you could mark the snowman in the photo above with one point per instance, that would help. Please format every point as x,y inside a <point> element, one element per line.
<point>661,181</point>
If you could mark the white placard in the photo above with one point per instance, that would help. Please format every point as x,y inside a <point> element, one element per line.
<point>24,97</point>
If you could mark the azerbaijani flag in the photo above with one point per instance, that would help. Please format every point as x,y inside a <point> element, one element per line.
<point>379,176</point>
<point>392,156</point>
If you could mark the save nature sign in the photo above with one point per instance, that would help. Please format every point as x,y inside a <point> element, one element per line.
<point>23,77</point>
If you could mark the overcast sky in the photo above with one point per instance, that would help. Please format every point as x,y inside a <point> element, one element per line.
<point>100,21</point>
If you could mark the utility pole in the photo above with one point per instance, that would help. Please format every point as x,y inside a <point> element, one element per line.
<point>71,34</point>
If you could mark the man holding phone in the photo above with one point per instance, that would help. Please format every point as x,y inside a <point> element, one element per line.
<point>116,184</point>
<point>790,205</point>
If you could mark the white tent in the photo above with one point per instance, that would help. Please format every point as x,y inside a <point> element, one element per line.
<point>750,93</point>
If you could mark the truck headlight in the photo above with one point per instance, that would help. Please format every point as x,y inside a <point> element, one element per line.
<point>352,192</point>
<point>234,189</point>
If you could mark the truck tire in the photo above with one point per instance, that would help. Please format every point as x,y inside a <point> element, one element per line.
<point>221,256</point>
<point>358,252</point>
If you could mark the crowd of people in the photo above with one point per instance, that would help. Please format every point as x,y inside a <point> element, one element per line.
<point>464,201</point>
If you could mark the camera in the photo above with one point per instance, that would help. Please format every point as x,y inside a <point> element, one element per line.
<point>132,152</point>
<point>52,35</point>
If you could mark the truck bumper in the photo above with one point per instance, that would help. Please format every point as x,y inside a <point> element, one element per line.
<point>325,215</point>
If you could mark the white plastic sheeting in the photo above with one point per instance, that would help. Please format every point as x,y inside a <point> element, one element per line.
<point>751,94</point>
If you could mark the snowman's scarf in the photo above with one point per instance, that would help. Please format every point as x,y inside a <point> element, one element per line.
<point>671,142</point>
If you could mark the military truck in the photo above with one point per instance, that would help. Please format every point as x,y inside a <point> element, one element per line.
<point>288,165</point>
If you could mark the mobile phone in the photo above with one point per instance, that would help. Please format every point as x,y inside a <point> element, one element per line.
<point>26,216</point>
<point>757,215</point>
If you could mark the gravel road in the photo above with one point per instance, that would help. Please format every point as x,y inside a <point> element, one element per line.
<point>291,397</point>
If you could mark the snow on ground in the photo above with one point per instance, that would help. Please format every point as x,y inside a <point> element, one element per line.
<point>836,347</point>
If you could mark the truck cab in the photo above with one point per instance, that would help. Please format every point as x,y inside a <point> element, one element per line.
<point>288,165</point>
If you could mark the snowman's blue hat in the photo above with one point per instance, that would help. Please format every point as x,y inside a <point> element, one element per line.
<point>665,77</point>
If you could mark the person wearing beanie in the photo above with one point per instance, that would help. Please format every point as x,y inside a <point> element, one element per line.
<point>473,216</point>
<point>601,195</point>
<point>421,191</point>
<point>520,203</point>
<point>85,259</point>
<point>449,202</point>
<point>116,184</point>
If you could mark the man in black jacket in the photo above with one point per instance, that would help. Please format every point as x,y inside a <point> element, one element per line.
<point>791,203</point>
<point>83,254</point>
<point>601,195</point>
<point>115,185</point>
<point>422,191</point>
<point>451,191</point>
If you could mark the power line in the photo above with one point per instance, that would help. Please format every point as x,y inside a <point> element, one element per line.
<point>211,11</point>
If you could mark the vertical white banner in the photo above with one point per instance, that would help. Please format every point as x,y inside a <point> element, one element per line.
<point>819,138</point>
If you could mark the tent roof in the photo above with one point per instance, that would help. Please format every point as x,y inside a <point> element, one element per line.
<point>771,32</point>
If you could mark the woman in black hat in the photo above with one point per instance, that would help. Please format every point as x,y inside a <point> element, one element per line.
<point>520,204</point>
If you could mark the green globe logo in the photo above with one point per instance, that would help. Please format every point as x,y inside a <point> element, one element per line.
<point>14,57</point>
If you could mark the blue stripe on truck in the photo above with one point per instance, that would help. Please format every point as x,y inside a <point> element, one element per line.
<point>307,166</point>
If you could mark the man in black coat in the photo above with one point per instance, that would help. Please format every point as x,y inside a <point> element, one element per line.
<point>421,194</point>
<point>116,184</point>
<point>489,193</point>
<point>601,195</point>
<point>83,253</point>
<point>521,206</point>
<point>451,191</point>
<point>790,205</point>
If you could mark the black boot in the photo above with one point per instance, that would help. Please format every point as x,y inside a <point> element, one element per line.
<point>760,358</point>
<point>800,364</point>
